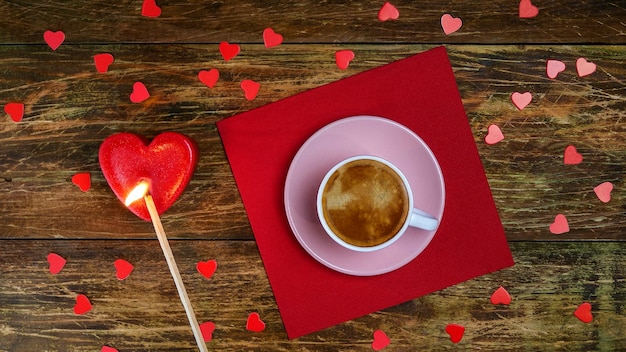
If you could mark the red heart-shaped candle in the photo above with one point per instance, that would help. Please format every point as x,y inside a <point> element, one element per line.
<point>166,163</point>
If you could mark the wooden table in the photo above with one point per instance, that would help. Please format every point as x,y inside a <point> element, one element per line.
<point>70,109</point>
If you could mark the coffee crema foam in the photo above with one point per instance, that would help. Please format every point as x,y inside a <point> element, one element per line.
<point>365,203</point>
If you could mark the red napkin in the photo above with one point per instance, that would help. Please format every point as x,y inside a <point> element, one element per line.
<point>261,143</point>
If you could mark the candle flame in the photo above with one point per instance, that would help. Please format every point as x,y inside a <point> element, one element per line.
<point>137,193</point>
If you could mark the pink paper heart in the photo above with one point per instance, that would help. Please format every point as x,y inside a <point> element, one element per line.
<point>500,296</point>
<point>254,323</point>
<point>82,180</point>
<point>207,329</point>
<point>388,12</point>
<point>54,39</point>
<point>583,313</point>
<point>343,58</point>
<point>228,50</point>
<point>103,61</point>
<point>381,340</point>
<point>450,24</point>
<point>56,263</point>
<point>571,156</point>
<point>494,135</point>
<point>210,77</point>
<point>521,100</point>
<point>527,9</point>
<point>560,225</point>
<point>122,269</point>
<point>15,111</point>
<point>207,269</point>
<point>456,332</point>
<point>150,9</point>
<point>603,191</point>
<point>108,349</point>
<point>250,88</point>
<point>554,67</point>
<point>140,93</point>
<point>271,38</point>
<point>584,67</point>
<point>83,305</point>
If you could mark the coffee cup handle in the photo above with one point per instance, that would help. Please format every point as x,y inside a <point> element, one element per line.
<point>423,220</point>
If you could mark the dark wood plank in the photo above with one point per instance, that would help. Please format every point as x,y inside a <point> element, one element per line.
<point>70,109</point>
<point>311,21</point>
<point>548,282</point>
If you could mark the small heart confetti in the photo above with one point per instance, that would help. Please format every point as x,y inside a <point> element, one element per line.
<point>150,9</point>
<point>103,61</point>
<point>554,67</point>
<point>583,313</point>
<point>140,93</point>
<point>15,111</point>
<point>500,296</point>
<point>56,263</point>
<point>207,269</point>
<point>254,323</point>
<point>381,340</point>
<point>250,88</point>
<point>271,38</point>
<point>450,24</point>
<point>603,191</point>
<point>343,58</point>
<point>228,50</point>
<point>527,9</point>
<point>207,329</point>
<point>571,156</point>
<point>584,67</point>
<point>210,77</point>
<point>494,135</point>
<point>108,349</point>
<point>560,225</point>
<point>82,180</point>
<point>521,100</point>
<point>122,269</point>
<point>83,305</point>
<point>456,332</point>
<point>54,39</point>
<point>388,12</point>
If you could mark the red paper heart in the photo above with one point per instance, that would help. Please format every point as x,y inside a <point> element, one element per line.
<point>584,67</point>
<point>83,305</point>
<point>603,191</point>
<point>494,135</point>
<point>122,269</point>
<point>450,24</point>
<point>388,12</point>
<point>571,156</point>
<point>108,349</point>
<point>500,296</point>
<point>381,340</point>
<point>554,67</point>
<point>583,313</point>
<point>271,38</point>
<point>54,39</point>
<point>150,9</point>
<point>250,88</point>
<point>103,61</point>
<point>228,50</point>
<point>210,77</point>
<point>82,180</point>
<point>56,263</point>
<point>207,269</point>
<point>521,100</point>
<point>15,111</point>
<point>207,329</point>
<point>140,93</point>
<point>343,58</point>
<point>560,225</point>
<point>456,332</point>
<point>254,323</point>
<point>167,163</point>
<point>527,9</point>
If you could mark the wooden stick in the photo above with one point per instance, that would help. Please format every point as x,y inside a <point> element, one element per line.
<point>171,263</point>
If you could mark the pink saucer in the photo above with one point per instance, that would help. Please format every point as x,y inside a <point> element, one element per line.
<point>359,135</point>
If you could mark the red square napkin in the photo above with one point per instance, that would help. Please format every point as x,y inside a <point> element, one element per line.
<point>261,143</point>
